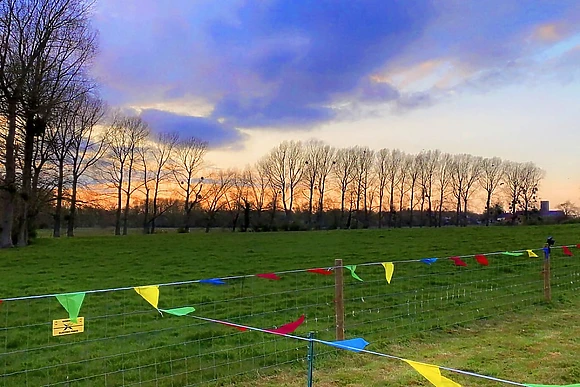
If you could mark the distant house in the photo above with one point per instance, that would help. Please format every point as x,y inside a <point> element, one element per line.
<point>544,212</point>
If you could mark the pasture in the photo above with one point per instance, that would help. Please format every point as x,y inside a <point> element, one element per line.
<point>464,317</point>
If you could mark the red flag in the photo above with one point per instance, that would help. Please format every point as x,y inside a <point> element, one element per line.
<point>270,276</point>
<point>233,326</point>
<point>458,261</point>
<point>320,271</point>
<point>288,328</point>
<point>567,251</point>
<point>481,259</point>
<point>578,246</point>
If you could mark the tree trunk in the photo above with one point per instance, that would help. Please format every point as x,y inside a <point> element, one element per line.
<point>58,206</point>
<point>22,239</point>
<point>146,214</point>
<point>119,207</point>
<point>155,208</point>
<point>8,192</point>
<point>487,209</point>
<point>411,205</point>
<point>70,231</point>
<point>247,209</point>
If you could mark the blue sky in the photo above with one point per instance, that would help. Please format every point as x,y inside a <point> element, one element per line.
<point>491,78</point>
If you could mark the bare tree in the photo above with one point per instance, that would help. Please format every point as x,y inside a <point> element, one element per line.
<point>569,209</point>
<point>363,168</point>
<point>531,176</point>
<point>473,173</point>
<point>125,136</point>
<point>161,152</point>
<point>415,165</point>
<point>144,152</point>
<point>318,160</point>
<point>87,148</point>
<point>382,173</point>
<point>189,155</point>
<point>257,184</point>
<point>490,180</point>
<point>512,177</point>
<point>406,166</point>
<point>445,173</point>
<point>429,164</point>
<point>214,194</point>
<point>344,173</point>
<point>394,175</point>
<point>284,166</point>
<point>45,46</point>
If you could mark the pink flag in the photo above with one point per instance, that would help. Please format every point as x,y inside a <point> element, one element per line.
<point>270,276</point>
<point>320,271</point>
<point>288,328</point>
<point>458,261</point>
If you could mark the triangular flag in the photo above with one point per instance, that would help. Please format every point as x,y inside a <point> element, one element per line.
<point>320,271</point>
<point>567,251</point>
<point>352,269</point>
<point>578,246</point>
<point>458,262</point>
<point>433,374</point>
<point>546,251</point>
<point>513,254</point>
<point>531,254</point>
<point>149,293</point>
<point>213,281</point>
<point>72,303</point>
<point>481,259</point>
<point>287,328</point>
<point>270,276</point>
<point>429,261</point>
<point>389,270</point>
<point>355,345</point>
<point>179,311</point>
<point>232,325</point>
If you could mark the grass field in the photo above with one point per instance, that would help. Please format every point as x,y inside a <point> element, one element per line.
<point>126,342</point>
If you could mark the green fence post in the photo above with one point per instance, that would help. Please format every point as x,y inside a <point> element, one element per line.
<point>310,358</point>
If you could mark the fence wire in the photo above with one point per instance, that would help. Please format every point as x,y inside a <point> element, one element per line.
<point>126,342</point>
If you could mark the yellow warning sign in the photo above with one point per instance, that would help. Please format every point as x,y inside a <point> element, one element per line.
<point>67,327</point>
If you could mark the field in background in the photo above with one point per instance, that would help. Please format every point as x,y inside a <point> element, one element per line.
<point>128,343</point>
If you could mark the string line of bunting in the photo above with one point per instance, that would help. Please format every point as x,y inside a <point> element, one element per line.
<point>72,299</point>
<point>72,303</point>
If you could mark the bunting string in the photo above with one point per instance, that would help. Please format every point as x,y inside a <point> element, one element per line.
<point>222,280</point>
<point>344,345</point>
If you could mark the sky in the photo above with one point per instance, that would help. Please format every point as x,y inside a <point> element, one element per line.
<point>485,77</point>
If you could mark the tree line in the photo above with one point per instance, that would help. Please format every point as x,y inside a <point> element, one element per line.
<point>65,152</point>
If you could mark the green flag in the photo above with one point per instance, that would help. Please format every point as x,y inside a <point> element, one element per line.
<point>352,268</point>
<point>72,303</point>
<point>179,311</point>
<point>513,254</point>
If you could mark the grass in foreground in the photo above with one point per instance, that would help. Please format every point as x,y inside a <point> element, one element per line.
<point>539,347</point>
<point>127,343</point>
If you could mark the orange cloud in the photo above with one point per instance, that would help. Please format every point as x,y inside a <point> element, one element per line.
<point>549,33</point>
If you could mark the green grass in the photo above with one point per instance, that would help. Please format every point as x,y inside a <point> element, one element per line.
<point>127,343</point>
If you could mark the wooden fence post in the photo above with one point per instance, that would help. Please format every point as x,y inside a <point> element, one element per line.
<point>339,299</point>
<point>547,284</point>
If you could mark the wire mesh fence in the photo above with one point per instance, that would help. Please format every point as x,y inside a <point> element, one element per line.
<point>126,342</point>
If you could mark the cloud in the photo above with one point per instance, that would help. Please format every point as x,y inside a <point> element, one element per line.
<point>206,129</point>
<point>279,64</point>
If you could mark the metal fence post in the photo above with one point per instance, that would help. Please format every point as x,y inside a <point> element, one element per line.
<point>339,299</point>
<point>547,284</point>
<point>310,359</point>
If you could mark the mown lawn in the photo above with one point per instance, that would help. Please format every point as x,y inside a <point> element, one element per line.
<point>126,342</point>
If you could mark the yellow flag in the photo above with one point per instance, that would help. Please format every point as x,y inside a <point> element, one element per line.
<point>531,254</point>
<point>149,293</point>
<point>389,269</point>
<point>432,374</point>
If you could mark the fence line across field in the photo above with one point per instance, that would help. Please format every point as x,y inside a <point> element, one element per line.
<point>235,277</point>
<point>126,342</point>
